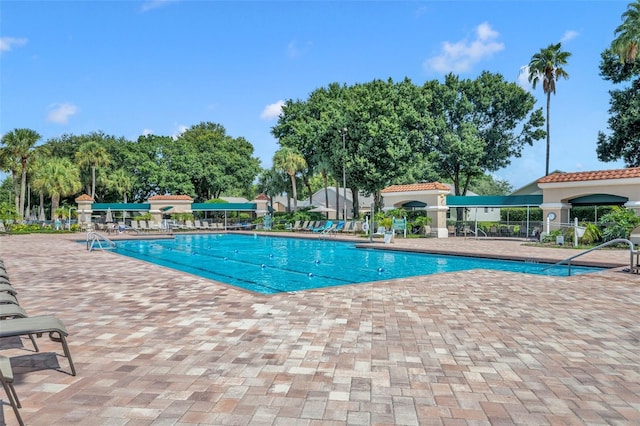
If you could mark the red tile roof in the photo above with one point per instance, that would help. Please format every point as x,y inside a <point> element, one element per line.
<point>262,197</point>
<point>424,186</point>
<point>170,198</point>
<point>84,197</point>
<point>593,175</point>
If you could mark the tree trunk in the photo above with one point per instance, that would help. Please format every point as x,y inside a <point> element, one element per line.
<point>546,173</point>
<point>326,192</point>
<point>16,193</point>
<point>356,202</point>
<point>55,203</point>
<point>23,189</point>
<point>337,199</point>
<point>294,191</point>
<point>93,182</point>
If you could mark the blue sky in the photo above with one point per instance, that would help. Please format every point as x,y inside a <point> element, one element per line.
<point>160,66</point>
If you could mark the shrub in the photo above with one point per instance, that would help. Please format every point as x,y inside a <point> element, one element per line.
<point>618,223</point>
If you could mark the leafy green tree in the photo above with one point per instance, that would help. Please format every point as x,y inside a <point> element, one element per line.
<point>479,125</point>
<point>119,181</point>
<point>627,34</point>
<point>215,162</point>
<point>546,67</point>
<point>488,185</point>
<point>18,146</point>
<point>57,177</point>
<point>290,161</point>
<point>620,64</point>
<point>92,155</point>
<point>271,183</point>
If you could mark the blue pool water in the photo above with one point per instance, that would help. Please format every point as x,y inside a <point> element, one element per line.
<point>275,264</point>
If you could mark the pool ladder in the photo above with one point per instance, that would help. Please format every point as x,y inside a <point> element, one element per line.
<point>634,267</point>
<point>98,241</point>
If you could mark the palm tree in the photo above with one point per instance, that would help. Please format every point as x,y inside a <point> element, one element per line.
<point>120,181</point>
<point>291,162</point>
<point>92,154</point>
<point>546,67</point>
<point>57,177</point>
<point>18,147</point>
<point>628,34</point>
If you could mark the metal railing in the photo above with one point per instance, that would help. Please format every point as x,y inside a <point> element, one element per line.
<point>608,243</point>
<point>98,241</point>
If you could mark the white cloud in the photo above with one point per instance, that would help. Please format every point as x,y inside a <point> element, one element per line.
<point>60,113</point>
<point>295,51</point>
<point>181,129</point>
<point>154,4</point>
<point>272,111</point>
<point>569,35</point>
<point>461,56</point>
<point>147,132</point>
<point>7,43</point>
<point>523,78</point>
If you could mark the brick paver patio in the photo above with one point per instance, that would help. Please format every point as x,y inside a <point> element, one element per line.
<point>154,346</point>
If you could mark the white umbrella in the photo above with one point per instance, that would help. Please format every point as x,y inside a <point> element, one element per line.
<point>109,218</point>
<point>322,209</point>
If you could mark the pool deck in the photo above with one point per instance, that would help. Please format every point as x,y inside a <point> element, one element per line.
<point>153,346</point>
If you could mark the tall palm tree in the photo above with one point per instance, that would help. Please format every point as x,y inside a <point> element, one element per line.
<point>627,34</point>
<point>57,177</point>
<point>546,67</point>
<point>92,154</point>
<point>19,145</point>
<point>291,162</point>
<point>121,181</point>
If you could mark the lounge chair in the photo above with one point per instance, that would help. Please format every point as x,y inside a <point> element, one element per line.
<point>134,225</point>
<point>6,377</point>
<point>39,325</point>
<point>322,227</point>
<point>296,226</point>
<point>11,311</point>
<point>8,288</point>
<point>6,298</point>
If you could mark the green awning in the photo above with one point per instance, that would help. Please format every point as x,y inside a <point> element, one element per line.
<point>494,200</point>
<point>120,206</point>
<point>598,200</point>
<point>164,209</point>
<point>215,207</point>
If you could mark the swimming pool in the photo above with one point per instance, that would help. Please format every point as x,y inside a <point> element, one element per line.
<point>277,264</point>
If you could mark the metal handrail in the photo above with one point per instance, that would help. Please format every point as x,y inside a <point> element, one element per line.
<point>94,238</point>
<point>608,243</point>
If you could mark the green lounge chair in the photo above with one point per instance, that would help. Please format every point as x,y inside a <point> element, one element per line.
<point>39,325</point>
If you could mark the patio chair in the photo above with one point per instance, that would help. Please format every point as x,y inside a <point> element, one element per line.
<point>8,288</point>
<point>39,325</point>
<point>6,377</point>
<point>11,311</point>
<point>322,227</point>
<point>6,298</point>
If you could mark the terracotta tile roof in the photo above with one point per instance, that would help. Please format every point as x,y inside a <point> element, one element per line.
<point>170,198</point>
<point>84,197</point>
<point>424,186</point>
<point>593,175</point>
<point>262,197</point>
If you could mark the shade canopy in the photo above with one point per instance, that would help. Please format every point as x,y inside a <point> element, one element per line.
<point>322,209</point>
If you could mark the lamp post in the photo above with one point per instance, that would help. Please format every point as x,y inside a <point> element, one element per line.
<point>344,176</point>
